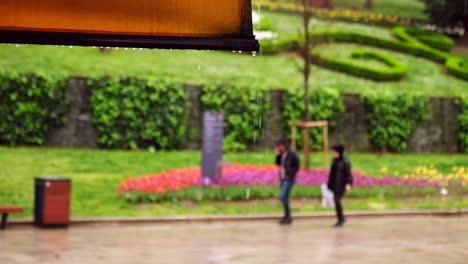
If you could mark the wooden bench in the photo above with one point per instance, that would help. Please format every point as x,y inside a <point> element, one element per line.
<point>5,210</point>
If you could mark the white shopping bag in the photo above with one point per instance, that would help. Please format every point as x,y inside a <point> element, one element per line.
<point>327,197</point>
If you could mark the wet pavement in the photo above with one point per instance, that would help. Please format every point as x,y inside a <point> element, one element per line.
<point>371,240</point>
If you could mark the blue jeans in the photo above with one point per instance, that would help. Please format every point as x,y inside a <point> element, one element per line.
<point>285,190</point>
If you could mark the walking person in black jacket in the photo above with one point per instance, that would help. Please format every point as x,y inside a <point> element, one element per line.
<point>340,180</point>
<point>288,161</point>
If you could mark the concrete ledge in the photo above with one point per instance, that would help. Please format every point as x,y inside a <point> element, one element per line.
<point>249,218</point>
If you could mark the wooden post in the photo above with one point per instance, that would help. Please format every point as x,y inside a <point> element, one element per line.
<point>325,145</point>
<point>294,136</point>
<point>306,148</point>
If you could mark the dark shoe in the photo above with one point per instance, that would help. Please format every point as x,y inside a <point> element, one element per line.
<point>286,221</point>
<point>339,224</point>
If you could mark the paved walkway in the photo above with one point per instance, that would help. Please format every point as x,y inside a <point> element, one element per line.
<point>405,240</point>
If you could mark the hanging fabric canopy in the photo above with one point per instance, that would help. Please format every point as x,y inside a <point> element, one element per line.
<point>197,24</point>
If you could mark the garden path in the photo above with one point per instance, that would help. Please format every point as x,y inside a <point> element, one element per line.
<point>370,240</point>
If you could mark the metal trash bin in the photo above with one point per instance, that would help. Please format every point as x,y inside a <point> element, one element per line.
<point>52,202</point>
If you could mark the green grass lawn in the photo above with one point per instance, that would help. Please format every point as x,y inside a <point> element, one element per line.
<point>267,72</point>
<point>96,174</point>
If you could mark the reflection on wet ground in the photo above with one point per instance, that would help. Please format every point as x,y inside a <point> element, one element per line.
<point>371,240</point>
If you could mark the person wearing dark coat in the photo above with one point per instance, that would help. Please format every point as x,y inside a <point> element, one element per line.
<point>289,163</point>
<point>340,180</point>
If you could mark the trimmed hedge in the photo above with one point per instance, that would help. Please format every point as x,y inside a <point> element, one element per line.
<point>457,67</point>
<point>463,123</point>
<point>246,110</point>
<point>393,119</point>
<point>325,104</point>
<point>416,42</point>
<point>395,69</point>
<point>137,113</point>
<point>408,45</point>
<point>276,46</point>
<point>433,39</point>
<point>30,105</point>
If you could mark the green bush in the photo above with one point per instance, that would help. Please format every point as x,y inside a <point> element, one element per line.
<point>416,42</point>
<point>433,39</point>
<point>463,123</point>
<point>418,48</point>
<point>457,67</point>
<point>393,118</point>
<point>408,44</point>
<point>265,24</point>
<point>276,46</point>
<point>30,105</point>
<point>136,113</point>
<point>395,70</point>
<point>325,104</point>
<point>245,110</point>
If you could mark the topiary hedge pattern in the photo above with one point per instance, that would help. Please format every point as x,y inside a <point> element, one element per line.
<point>416,42</point>
<point>394,70</point>
<point>463,123</point>
<point>245,109</point>
<point>393,118</point>
<point>137,113</point>
<point>325,104</point>
<point>30,105</point>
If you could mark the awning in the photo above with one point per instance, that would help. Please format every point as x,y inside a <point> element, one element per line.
<point>176,24</point>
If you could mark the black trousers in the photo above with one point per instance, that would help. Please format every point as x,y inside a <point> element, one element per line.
<point>339,207</point>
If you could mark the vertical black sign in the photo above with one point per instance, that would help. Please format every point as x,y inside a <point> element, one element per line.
<point>212,145</point>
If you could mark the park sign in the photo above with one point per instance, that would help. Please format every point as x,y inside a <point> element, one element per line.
<point>167,24</point>
<point>212,145</point>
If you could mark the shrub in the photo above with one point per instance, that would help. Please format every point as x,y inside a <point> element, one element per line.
<point>416,42</point>
<point>418,48</point>
<point>245,111</point>
<point>393,118</point>
<point>433,39</point>
<point>463,123</point>
<point>30,105</point>
<point>325,104</point>
<point>457,67</point>
<point>395,70</point>
<point>408,45</point>
<point>276,46</point>
<point>132,113</point>
<point>265,24</point>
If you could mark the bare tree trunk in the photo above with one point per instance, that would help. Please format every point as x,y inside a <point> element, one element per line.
<point>465,36</point>
<point>306,16</point>
<point>369,4</point>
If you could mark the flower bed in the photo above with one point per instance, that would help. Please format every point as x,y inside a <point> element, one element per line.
<point>345,15</point>
<point>244,182</point>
